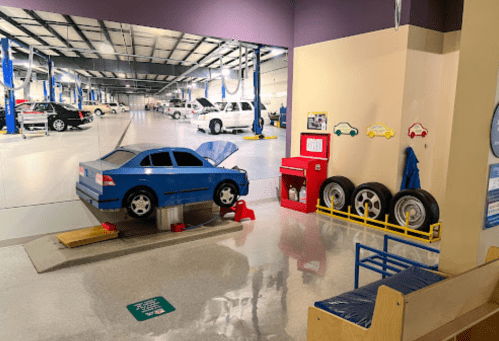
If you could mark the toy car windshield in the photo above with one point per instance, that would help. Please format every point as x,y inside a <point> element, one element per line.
<point>217,151</point>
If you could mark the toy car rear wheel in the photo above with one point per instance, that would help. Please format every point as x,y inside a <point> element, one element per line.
<point>422,207</point>
<point>338,132</point>
<point>376,196</point>
<point>216,127</point>
<point>176,115</point>
<point>140,203</point>
<point>59,124</point>
<point>338,187</point>
<point>226,194</point>
<point>98,112</point>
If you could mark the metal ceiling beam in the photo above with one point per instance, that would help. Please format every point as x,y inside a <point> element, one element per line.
<point>176,44</point>
<point>122,66</point>
<point>115,53</point>
<point>80,33</point>
<point>194,48</point>
<point>26,31</point>
<point>191,71</point>
<point>153,47</point>
<point>50,29</point>
<point>106,33</point>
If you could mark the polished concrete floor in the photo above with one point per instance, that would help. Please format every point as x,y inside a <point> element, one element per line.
<point>256,284</point>
<point>44,169</point>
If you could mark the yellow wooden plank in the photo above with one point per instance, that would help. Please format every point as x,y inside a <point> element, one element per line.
<point>86,236</point>
<point>492,254</point>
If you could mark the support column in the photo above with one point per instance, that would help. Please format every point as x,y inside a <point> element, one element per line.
<point>51,81</point>
<point>464,206</point>
<point>257,101</point>
<point>206,90</point>
<point>8,79</point>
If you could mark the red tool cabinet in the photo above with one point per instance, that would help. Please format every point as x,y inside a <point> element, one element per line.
<point>310,167</point>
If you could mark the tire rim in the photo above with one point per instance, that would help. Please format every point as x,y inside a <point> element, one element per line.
<point>58,124</point>
<point>417,212</point>
<point>176,116</point>
<point>334,190</point>
<point>226,196</point>
<point>366,196</point>
<point>140,204</point>
<point>217,127</point>
<point>98,112</point>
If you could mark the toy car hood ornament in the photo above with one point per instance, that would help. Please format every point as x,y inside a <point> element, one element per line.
<point>217,151</point>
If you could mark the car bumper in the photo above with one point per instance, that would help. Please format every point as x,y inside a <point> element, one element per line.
<point>201,124</point>
<point>95,199</point>
<point>80,121</point>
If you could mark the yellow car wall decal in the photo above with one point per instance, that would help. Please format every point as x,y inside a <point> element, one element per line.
<point>379,129</point>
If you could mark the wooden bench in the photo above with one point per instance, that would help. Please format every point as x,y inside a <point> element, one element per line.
<point>459,308</point>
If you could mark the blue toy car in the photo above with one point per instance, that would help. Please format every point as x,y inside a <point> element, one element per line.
<point>144,176</point>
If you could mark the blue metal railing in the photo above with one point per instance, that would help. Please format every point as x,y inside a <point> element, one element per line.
<point>387,260</point>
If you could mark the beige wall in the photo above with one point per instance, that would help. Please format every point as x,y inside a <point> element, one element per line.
<point>476,86</point>
<point>395,77</point>
<point>359,80</point>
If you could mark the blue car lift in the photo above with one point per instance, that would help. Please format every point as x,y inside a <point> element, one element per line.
<point>8,79</point>
<point>387,261</point>
<point>257,103</point>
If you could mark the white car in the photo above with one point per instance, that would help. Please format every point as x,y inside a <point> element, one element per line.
<point>183,109</point>
<point>227,116</point>
<point>124,107</point>
<point>115,107</point>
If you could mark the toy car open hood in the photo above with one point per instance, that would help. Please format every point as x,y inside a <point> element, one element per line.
<point>217,151</point>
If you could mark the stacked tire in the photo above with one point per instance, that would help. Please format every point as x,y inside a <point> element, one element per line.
<point>422,207</point>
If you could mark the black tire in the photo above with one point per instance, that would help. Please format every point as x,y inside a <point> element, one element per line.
<point>58,124</point>
<point>435,209</point>
<point>140,203</point>
<point>176,115</point>
<point>341,188</point>
<point>423,208</point>
<point>376,195</point>
<point>216,127</point>
<point>226,194</point>
<point>114,111</point>
<point>98,112</point>
<point>418,204</point>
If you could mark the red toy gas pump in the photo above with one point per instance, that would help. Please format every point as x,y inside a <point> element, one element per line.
<point>309,168</point>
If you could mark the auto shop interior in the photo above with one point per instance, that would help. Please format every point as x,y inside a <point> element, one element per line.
<point>249,170</point>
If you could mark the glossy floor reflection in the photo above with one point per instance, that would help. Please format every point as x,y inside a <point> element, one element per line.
<point>256,284</point>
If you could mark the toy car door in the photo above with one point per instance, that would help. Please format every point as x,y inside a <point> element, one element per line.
<point>194,181</point>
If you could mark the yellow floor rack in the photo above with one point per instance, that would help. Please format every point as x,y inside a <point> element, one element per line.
<point>428,237</point>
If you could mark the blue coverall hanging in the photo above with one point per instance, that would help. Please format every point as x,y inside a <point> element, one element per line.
<point>410,179</point>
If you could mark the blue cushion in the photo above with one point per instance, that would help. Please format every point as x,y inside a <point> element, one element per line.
<point>357,306</point>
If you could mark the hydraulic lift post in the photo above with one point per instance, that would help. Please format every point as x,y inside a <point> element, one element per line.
<point>257,102</point>
<point>8,79</point>
<point>51,81</point>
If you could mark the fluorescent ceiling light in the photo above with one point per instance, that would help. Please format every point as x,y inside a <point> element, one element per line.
<point>226,72</point>
<point>66,79</point>
<point>276,52</point>
<point>105,48</point>
<point>128,85</point>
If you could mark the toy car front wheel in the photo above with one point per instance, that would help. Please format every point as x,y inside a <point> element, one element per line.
<point>226,195</point>
<point>176,115</point>
<point>98,112</point>
<point>216,127</point>
<point>140,204</point>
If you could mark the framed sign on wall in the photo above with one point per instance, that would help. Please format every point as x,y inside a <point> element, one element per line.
<point>317,121</point>
<point>492,213</point>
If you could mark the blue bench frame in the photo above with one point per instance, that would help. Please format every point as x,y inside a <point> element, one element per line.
<point>385,260</point>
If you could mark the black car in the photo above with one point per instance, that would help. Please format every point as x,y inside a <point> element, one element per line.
<point>60,115</point>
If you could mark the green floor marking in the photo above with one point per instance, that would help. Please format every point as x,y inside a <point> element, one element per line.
<point>150,308</point>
